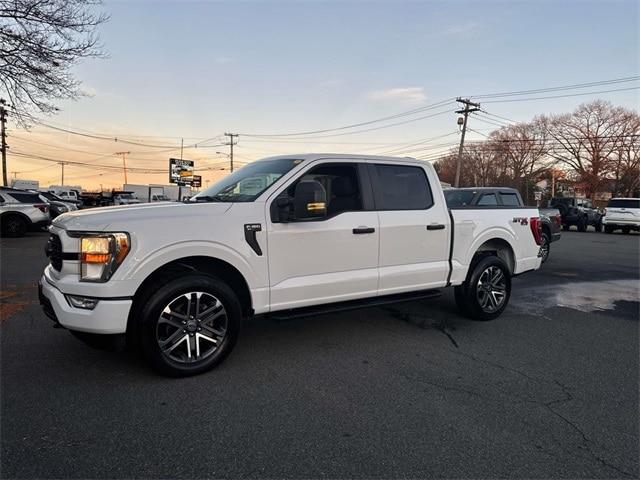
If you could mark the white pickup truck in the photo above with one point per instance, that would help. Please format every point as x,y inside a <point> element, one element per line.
<point>286,235</point>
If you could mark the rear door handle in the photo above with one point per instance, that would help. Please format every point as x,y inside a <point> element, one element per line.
<point>435,226</point>
<point>363,230</point>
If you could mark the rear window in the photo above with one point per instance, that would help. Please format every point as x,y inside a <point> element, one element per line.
<point>25,197</point>
<point>510,199</point>
<point>488,199</point>
<point>458,198</point>
<point>624,203</point>
<point>402,187</point>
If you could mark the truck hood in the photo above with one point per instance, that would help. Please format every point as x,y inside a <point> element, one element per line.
<point>128,217</point>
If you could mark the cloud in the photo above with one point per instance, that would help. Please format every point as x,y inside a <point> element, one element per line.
<point>222,60</point>
<point>406,94</point>
<point>465,29</point>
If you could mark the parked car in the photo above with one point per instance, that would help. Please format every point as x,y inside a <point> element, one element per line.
<point>494,197</point>
<point>22,211</point>
<point>325,232</point>
<point>623,214</point>
<point>577,211</point>
<point>56,205</point>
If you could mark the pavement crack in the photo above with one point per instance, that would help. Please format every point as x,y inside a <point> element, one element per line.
<point>423,322</point>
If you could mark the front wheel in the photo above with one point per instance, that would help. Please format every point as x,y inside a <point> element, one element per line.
<point>582,225</point>
<point>485,294</point>
<point>190,325</point>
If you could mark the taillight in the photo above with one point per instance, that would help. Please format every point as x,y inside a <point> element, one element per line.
<point>536,229</point>
<point>43,207</point>
<point>558,219</point>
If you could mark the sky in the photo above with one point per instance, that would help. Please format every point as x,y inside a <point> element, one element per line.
<point>194,70</point>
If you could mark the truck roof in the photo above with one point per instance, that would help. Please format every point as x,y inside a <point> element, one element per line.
<point>305,157</point>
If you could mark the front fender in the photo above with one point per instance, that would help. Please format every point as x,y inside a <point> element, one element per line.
<point>178,250</point>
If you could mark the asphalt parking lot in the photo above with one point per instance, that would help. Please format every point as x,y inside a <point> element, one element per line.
<point>548,390</point>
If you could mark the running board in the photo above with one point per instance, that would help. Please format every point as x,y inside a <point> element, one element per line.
<point>353,304</point>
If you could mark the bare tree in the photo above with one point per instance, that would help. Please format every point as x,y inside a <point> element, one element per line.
<point>587,141</point>
<point>626,162</point>
<point>40,41</point>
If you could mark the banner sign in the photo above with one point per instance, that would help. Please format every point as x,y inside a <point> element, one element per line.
<point>180,171</point>
<point>197,181</point>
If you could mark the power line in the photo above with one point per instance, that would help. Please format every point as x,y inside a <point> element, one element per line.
<point>355,125</point>
<point>559,88</point>
<point>561,96</point>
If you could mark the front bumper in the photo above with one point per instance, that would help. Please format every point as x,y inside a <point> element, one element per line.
<point>108,317</point>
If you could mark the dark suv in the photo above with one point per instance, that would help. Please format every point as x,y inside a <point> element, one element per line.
<point>577,211</point>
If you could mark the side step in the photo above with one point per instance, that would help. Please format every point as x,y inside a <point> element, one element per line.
<point>353,304</point>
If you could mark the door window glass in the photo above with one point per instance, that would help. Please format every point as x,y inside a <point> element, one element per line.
<point>488,199</point>
<point>401,187</point>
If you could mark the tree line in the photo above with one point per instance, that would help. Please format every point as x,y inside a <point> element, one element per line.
<point>597,146</point>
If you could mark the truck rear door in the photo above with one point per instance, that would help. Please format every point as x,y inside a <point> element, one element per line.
<point>414,228</point>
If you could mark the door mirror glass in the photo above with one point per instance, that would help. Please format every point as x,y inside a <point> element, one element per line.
<point>310,200</point>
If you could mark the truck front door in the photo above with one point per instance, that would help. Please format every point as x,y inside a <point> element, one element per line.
<point>328,259</point>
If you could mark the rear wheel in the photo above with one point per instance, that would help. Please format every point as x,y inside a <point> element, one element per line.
<point>545,246</point>
<point>13,226</point>
<point>485,294</point>
<point>190,325</point>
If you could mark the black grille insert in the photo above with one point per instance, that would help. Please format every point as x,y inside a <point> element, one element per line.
<point>54,251</point>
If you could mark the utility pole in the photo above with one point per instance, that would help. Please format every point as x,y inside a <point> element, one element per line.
<point>181,147</point>
<point>62,179</point>
<point>231,144</point>
<point>3,140</point>
<point>469,107</point>
<point>124,164</point>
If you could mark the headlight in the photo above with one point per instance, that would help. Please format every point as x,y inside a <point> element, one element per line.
<point>101,255</point>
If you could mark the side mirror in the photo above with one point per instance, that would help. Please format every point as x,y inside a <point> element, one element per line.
<point>310,200</point>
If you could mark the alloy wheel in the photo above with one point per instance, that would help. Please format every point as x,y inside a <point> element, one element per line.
<point>491,290</point>
<point>191,327</point>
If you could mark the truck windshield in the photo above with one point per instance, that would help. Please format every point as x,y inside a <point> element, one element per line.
<point>247,183</point>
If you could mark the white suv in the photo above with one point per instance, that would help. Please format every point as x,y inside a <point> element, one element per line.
<point>21,211</point>
<point>623,214</point>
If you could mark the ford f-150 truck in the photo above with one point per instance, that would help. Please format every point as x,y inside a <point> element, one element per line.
<point>287,235</point>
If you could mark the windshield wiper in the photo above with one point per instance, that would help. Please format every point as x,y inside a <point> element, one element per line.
<point>210,198</point>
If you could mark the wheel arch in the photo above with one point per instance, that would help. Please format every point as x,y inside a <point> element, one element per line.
<point>498,247</point>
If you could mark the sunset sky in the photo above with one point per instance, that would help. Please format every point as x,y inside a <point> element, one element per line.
<point>195,70</point>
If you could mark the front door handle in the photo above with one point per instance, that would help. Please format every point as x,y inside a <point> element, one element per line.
<point>435,226</point>
<point>363,230</point>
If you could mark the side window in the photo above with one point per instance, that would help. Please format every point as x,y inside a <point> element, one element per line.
<point>401,187</point>
<point>510,199</point>
<point>488,199</point>
<point>340,181</point>
<point>26,197</point>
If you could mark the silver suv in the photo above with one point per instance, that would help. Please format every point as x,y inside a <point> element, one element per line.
<point>21,211</point>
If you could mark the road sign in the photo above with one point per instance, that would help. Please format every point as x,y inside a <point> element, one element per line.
<point>180,171</point>
<point>537,195</point>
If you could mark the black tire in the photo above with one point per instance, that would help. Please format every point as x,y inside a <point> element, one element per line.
<point>598,226</point>
<point>582,224</point>
<point>13,226</point>
<point>151,326</point>
<point>100,342</point>
<point>468,297</point>
<point>545,246</point>
<point>608,229</point>
<point>566,227</point>
<point>626,230</point>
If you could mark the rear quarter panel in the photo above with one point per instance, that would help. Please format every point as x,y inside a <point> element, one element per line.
<point>474,227</point>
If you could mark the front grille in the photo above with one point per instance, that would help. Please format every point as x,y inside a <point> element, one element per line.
<point>54,249</point>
